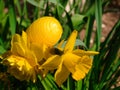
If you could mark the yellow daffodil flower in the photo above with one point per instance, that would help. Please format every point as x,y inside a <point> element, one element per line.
<point>22,60</point>
<point>77,62</point>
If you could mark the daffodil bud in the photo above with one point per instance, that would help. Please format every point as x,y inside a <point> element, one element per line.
<point>45,31</point>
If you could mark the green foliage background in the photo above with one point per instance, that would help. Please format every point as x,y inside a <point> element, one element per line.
<point>17,15</point>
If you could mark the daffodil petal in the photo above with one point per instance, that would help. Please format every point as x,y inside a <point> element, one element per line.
<point>22,50</point>
<point>60,44</point>
<point>52,62</point>
<point>71,41</point>
<point>61,74</point>
<point>31,58</point>
<point>24,40</point>
<point>18,45</point>
<point>70,60</point>
<point>80,52</point>
<point>82,68</point>
<point>15,38</point>
<point>38,52</point>
<point>78,74</point>
<point>19,49</point>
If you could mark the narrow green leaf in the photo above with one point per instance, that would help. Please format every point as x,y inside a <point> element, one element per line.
<point>70,83</point>
<point>69,21</point>
<point>1,9</point>
<point>112,51</point>
<point>112,31</point>
<point>89,7</point>
<point>5,30</point>
<point>66,32</point>
<point>89,30</point>
<point>80,43</point>
<point>78,85</point>
<point>109,58</point>
<point>12,17</point>
<point>37,3</point>
<point>51,79</point>
<point>113,79</point>
<point>98,16</point>
<point>45,85</point>
<point>2,49</point>
<point>61,4</point>
<point>17,2</point>
<point>103,59</point>
<point>47,10</point>
<point>78,21</point>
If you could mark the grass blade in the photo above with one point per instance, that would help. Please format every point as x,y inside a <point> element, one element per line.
<point>12,17</point>
<point>70,83</point>
<point>98,16</point>
<point>89,30</point>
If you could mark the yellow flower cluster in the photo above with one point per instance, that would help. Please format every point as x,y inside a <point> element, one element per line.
<point>34,53</point>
